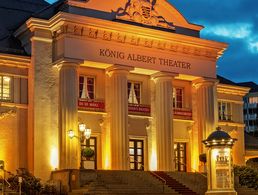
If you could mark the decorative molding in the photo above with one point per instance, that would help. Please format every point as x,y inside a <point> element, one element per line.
<point>7,113</point>
<point>232,90</point>
<point>143,12</point>
<point>15,61</point>
<point>231,124</point>
<point>132,39</point>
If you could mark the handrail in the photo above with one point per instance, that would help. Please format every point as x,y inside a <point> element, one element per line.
<point>5,171</point>
<point>195,171</point>
<point>153,172</point>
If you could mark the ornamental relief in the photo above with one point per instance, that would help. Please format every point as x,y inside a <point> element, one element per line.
<point>7,113</point>
<point>132,39</point>
<point>143,12</point>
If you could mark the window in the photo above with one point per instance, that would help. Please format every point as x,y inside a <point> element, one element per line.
<point>180,156</point>
<point>134,92</point>
<point>225,113</point>
<point>5,88</point>
<point>253,100</point>
<point>86,87</point>
<point>178,97</point>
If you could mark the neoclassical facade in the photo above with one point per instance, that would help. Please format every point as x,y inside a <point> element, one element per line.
<point>135,72</point>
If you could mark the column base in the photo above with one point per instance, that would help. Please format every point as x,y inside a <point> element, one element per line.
<point>221,192</point>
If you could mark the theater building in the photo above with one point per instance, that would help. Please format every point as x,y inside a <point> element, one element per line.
<point>136,72</point>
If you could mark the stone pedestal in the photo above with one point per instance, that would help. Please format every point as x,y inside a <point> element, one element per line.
<point>221,193</point>
<point>68,93</point>
<point>164,120</point>
<point>118,109</point>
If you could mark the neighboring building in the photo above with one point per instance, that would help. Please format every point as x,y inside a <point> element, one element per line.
<point>251,147</point>
<point>251,108</point>
<point>137,73</point>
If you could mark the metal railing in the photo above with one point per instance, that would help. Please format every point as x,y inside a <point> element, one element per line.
<point>5,181</point>
<point>195,171</point>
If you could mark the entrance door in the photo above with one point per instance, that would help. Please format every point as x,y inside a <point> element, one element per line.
<point>89,162</point>
<point>136,154</point>
<point>180,156</point>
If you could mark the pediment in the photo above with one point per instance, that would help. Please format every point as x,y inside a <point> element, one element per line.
<point>159,13</point>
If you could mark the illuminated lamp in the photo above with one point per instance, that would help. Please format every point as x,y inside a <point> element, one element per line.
<point>87,133</point>
<point>71,134</point>
<point>1,165</point>
<point>82,127</point>
<point>220,163</point>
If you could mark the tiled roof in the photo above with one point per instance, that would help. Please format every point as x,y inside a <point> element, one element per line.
<point>223,80</point>
<point>252,85</point>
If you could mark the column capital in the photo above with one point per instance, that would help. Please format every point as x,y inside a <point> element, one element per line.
<point>163,76</point>
<point>204,82</point>
<point>118,69</point>
<point>67,62</point>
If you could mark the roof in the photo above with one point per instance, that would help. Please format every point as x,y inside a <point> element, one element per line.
<point>110,10</point>
<point>252,85</point>
<point>219,138</point>
<point>14,13</point>
<point>218,135</point>
<point>223,80</point>
<point>251,142</point>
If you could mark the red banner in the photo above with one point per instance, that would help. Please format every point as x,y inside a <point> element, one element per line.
<point>93,105</point>
<point>139,108</point>
<point>183,112</point>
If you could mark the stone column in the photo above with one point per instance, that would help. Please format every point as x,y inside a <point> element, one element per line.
<point>68,93</point>
<point>206,108</point>
<point>42,135</point>
<point>118,111</point>
<point>164,120</point>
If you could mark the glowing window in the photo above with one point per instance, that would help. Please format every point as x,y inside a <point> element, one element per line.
<point>225,111</point>
<point>134,92</point>
<point>86,87</point>
<point>178,95</point>
<point>5,88</point>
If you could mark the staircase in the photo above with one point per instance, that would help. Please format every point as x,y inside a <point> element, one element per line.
<point>120,182</point>
<point>174,184</point>
<point>140,182</point>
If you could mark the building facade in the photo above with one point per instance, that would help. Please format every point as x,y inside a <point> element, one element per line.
<point>136,72</point>
<point>251,108</point>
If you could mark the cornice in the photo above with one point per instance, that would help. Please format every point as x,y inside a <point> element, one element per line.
<point>232,89</point>
<point>14,60</point>
<point>66,24</point>
<point>231,124</point>
<point>93,28</point>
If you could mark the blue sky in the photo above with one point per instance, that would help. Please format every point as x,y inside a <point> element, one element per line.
<point>234,22</point>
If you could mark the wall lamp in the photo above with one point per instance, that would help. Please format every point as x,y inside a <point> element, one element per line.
<point>85,132</point>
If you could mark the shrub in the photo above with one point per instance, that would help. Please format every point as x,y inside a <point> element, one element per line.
<point>247,176</point>
<point>87,152</point>
<point>203,158</point>
<point>30,184</point>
